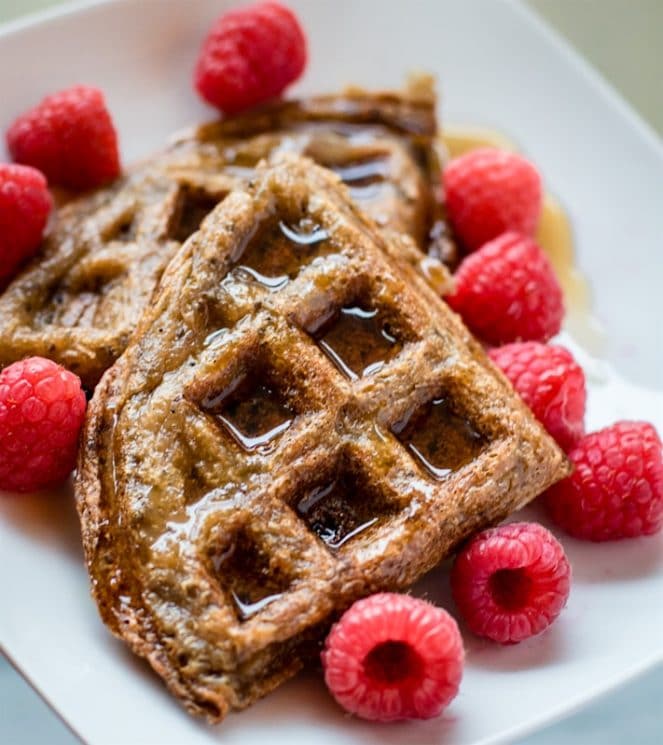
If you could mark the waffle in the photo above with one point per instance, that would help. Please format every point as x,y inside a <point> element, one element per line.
<point>80,301</point>
<point>298,421</point>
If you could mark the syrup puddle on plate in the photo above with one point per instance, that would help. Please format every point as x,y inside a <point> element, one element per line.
<point>554,235</point>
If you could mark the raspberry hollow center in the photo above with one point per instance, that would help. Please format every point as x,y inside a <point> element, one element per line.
<point>511,588</point>
<point>393,662</point>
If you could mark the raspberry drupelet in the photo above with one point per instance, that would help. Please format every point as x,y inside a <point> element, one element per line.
<point>393,657</point>
<point>511,582</point>
<point>42,406</point>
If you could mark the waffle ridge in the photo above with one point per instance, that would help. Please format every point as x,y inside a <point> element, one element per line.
<point>80,301</point>
<point>241,483</point>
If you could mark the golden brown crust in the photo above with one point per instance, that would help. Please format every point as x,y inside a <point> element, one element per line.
<point>79,302</point>
<point>290,324</point>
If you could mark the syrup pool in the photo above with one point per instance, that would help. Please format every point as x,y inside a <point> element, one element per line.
<point>554,235</point>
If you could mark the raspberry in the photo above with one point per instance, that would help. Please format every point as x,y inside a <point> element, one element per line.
<point>25,205</point>
<point>70,137</point>
<point>41,411</point>
<point>489,192</point>
<point>616,489</point>
<point>511,582</point>
<point>393,657</point>
<point>249,56</point>
<point>551,383</point>
<point>507,291</point>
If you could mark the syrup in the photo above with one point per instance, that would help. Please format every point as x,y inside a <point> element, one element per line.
<point>358,341</point>
<point>306,233</point>
<point>435,274</point>
<point>336,513</point>
<point>554,235</point>
<point>246,608</point>
<point>253,418</point>
<point>362,173</point>
<point>363,178</point>
<point>438,438</point>
<point>275,255</point>
<point>245,573</point>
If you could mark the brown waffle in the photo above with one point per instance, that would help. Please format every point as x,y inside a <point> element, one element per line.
<point>80,301</point>
<point>298,421</point>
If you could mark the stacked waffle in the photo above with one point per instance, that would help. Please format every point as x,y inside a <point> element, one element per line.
<point>80,301</point>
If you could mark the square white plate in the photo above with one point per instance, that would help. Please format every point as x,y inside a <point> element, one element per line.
<point>500,67</point>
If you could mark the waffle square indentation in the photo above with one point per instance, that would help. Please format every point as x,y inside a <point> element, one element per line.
<point>247,575</point>
<point>277,252</point>
<point>359,339</point>
<point>439,437</point>
<point>191,207</point>
<point>341,507</point>
<point>252,411</point>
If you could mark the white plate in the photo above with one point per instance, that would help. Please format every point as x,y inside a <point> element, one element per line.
<point>498,67</point>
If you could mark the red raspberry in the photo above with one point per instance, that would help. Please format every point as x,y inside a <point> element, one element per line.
<point>41,411</point>
<point>394,657</point>
<point>511,582</point>
<point>249,56</point>
<point>507,291</point>
<point>490,191</point>
<point>616,490</point>
<point>70,137</point>
<point>551,383</point>
<point>25,205</point>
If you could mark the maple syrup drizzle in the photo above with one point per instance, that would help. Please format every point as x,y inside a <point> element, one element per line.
<point>246,608</point>
<point>363,179</point>
<point>259,442</point>
<point>358,341</point>
<point>271,283</point>
<point>244,572</point>
<point>276,255</point>
<point>215,337</point>
<point>438,438</point>
<point>435,274</point>
<point>332,516</point>
<point>253,419</point>
<point>306,233</point>
<point>554,235</point>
